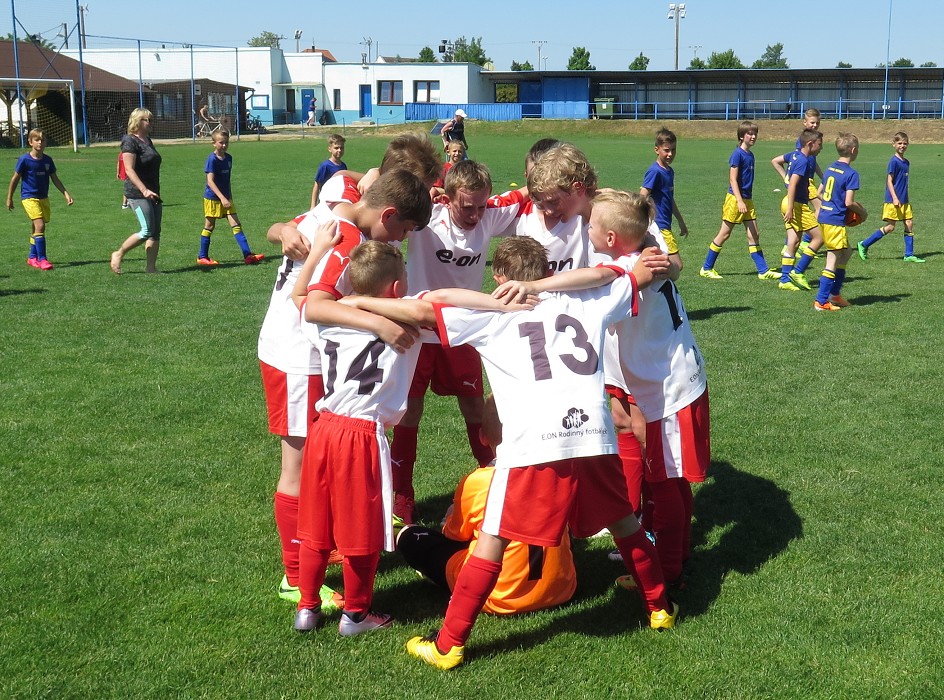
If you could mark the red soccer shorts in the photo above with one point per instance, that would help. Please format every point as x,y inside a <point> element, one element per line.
<point>290,400</point>
<point>450,371</point>
<point>679,446</point>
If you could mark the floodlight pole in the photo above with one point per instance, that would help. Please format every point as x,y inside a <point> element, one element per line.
<point>888,50</point>
<point>539,45</point>
<point>676,12</point>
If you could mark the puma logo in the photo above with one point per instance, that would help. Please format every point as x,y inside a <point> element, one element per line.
<point>471,384</point>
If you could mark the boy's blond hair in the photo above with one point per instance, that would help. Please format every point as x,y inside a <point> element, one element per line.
<point>846,143</point>
<point>219,133</point>
<point>899,136</point>
<point>520,258</point>
<point>540,147</point>
<point>469,176</point>
<point>628,214</point>
<point>747,127</point>
<point>415,153</point>
<point>811,112</point>
<point>403,191</point>
<point>559,168</point>
<point>35,133</point>
<point>665,137</point>
<point>455,146</point>
<point>336,140</point>
<point>374,267</point>
<point>134,119</point>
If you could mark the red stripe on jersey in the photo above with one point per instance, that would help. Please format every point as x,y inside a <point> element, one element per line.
<point>509,199</point>
<point>337,260</point>
<point>441,330</point>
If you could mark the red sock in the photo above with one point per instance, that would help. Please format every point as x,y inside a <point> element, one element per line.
<point>473,586</point>
<point>312,566</point>
<point>286,522</point>
<point>630,452</point>
<point>483,453</point>
<point>403,457</point>
<point>642,561</point>
<point>359,575</point>
<point>688,503</point>
<point>668,525</point>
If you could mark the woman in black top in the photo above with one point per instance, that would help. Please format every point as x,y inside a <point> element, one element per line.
<point>142,188</point>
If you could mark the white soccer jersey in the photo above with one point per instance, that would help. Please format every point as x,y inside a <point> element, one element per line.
<point>363,376</point>
<point>567,244</point>
<point>546,369</point>
<point>442,255</point>
<point>656,358</point>
<point>281,343</point>
<point>338,188</point>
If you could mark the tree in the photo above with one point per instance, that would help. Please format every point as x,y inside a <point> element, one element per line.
<point>929,64</point>
<point>506,92</point>
<point>426,55</point>
<point>466,51</point>
<point>266,39</point>
<point>35,39</point>
<point>697,64</point>
<point>771,58</point>
<point>903,63</point>
<point>580,60</point>
<point>725,59</point>
<point>640,62</point>
<point>843,64</point>
<point>521,66</point>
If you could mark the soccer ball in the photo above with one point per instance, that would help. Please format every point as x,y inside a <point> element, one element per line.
<point>853,218</point>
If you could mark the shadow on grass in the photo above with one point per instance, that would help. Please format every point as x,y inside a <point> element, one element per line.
<point>758,523</point>
<point>81,263</point>
<point>15,292</point>
<point>200,269</point>
<point>869,299</point>
<point>705,314</point>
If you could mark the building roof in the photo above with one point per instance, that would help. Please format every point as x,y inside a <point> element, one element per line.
<point>37,63</point>
<point>325,54</point>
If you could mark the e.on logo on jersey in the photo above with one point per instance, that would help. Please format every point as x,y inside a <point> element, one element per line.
<point>447,256</point>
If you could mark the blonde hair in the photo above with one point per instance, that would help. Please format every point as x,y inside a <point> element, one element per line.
<point>374,266</point>
<point>520,258</point>
<point>469,176</point>
<point>559,168</point>
<point>811,112</point>
<point>134,120</point>
<point>36,133</point>
<point>415,153</point>
<point>336,140</point>
<point>628,214</point>
<point>219,133</point>
<point>846,143</point>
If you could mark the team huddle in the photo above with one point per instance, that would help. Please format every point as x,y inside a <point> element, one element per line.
<point>598,416</point>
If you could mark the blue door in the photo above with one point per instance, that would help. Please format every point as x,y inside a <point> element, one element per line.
<point>307,94</point>
<point>365,110</point>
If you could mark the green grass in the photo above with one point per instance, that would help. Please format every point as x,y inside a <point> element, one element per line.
<point>139,555</point>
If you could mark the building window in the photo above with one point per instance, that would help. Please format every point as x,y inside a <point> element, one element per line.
<point>390,92</point>
<point>337,99</point>
<point>426,91</point>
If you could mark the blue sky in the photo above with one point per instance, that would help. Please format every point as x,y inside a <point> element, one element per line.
<point>613,32</point>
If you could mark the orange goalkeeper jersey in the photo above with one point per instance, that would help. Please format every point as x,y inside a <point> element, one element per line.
<point>532,577</point>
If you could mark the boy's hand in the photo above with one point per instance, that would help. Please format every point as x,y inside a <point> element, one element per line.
<point>399,336</point>
<point>294,244</point>
<point>10,204</point>
<point>652,263</point>
<point>512,291</point>
<point>327,236</point>
<point>227,203</point>
<point>683,230</point>
<point>370,177</point>
<point>69,200</point>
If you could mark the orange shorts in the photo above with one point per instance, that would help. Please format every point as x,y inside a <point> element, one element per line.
<point>534,504</point>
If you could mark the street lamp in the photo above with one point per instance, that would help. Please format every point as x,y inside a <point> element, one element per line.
<point>676,12</point>
<point>298,36</point>
<point>539,45</point>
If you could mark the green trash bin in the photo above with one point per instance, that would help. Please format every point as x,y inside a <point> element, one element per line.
<point>604,107</point>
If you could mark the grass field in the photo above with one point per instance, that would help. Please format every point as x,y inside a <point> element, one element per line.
<point>139,556</point>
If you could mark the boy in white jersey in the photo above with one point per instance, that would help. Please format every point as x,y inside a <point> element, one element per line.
<point>291,368</point>
<point>450,252</point>
<point>557,461</point>
<point>663,368</point>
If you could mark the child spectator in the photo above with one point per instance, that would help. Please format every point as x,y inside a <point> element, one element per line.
<point>328,168</point>
<point>897,204</point>
<point>798,216</point>
<point>451,252</point>
<point>738,207</point>
<point>218,202</point>
<point>659,183</point>
<point>840,182</point>
<point>455,153</point>
<point>662,367</point>
<point>120,174</point>
<point>557,461</point>
<point>291,367</point>
<point>35,169</point>
<point>532,577</point>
